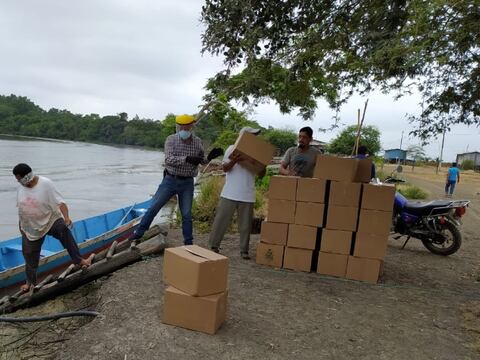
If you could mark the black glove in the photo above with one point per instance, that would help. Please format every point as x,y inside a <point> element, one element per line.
<point>214,153</point>
<point>194,160</point>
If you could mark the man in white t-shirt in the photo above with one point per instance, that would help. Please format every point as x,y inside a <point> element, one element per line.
<point>238,194</point>
<point>41,211</point>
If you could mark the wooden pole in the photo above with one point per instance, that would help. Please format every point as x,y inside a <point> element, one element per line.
<point>359,130</point>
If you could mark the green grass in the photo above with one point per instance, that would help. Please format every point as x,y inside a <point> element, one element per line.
<point>412,192</point>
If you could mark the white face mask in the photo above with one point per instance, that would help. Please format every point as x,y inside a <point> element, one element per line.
<point>26,179</point>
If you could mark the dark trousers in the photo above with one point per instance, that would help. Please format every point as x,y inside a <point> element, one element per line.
<point>31,249</point>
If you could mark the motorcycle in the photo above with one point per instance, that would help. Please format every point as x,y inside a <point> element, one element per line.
<point>436,223</point>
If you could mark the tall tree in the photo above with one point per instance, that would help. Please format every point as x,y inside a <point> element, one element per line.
<point>298,51</point>
<point>344,142</point>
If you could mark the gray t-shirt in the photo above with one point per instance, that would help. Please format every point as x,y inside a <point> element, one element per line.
<point>302,163</point>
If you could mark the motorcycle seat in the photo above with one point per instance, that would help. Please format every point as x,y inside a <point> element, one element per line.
<point>426,207</point>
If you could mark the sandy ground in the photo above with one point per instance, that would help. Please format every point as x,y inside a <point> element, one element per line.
<point>426,307</point>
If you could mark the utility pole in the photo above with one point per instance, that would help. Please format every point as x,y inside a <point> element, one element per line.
<point>441,149</point>
<point>401,141</point>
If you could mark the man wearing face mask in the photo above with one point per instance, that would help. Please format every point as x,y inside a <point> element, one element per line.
<point>42,211</point>
<point>300,160</point>
<point>183,153</point>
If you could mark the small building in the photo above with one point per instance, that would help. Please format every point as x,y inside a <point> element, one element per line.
<point>395,156</point>
<point>473,156</point>
<point>319,145</point>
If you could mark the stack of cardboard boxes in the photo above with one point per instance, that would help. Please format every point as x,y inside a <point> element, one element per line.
<point>196,297</point>
<point>335,223</point>
<point>289,236</point>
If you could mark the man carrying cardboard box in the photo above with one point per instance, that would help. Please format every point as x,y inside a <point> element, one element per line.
<point>363,154</point>
<point>183,153</point>
<point>300,160</point>
<point>238,193</point>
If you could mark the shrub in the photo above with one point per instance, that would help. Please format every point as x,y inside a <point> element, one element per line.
<point>411,192</point>
<point>468,164</point>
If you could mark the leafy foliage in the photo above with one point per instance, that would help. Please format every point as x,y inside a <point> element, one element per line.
<point>20,116</point>
<point>468,165</point>
<point>343,143</point>
<point>298,51</point>
<point>412,192</point>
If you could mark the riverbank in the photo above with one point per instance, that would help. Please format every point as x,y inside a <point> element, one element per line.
<point>426,307</point>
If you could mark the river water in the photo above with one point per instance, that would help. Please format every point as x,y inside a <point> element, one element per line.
<point>93,179</point>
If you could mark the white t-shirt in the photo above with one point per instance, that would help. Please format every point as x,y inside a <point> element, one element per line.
<point>38,208</point>
<point>239,182</point>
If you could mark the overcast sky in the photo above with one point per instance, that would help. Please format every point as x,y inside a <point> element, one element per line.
<point>143,57</point>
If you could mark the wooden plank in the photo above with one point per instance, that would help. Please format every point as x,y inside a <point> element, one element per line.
<point>94,271</point>
<point>111,251</point>
<point>67,271</point>
<point>45,281</point>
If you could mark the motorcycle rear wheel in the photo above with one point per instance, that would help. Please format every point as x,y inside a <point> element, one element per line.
<point>450,245</point>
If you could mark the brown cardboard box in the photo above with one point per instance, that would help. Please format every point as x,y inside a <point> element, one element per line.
<point>335,168</point>
<point>336,241</point>
<point>344,194</point>
<point>200,313</point>
<point>308,213</point>
<point>274,233</point>
<point>283,187</point>
<point>375,222</point>
<point>370,246</point>
<point>195,270</point>
<point>270,254</point>
<point>332,264</point>
<point>302,237</point>
<point>364,269</point>
<point>342,218</point>
<point>311,190</point>
<point>281,211</point>
<point>364,171</point>
<point>257,149</point>
<point>297,259</point>
<point>378,197</point>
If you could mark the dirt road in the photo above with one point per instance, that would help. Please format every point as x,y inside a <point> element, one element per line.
<point>426,307</point>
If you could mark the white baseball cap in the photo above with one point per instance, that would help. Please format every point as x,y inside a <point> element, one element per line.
<point>250,130</point>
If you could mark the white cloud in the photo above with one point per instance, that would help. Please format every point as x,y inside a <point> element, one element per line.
<point>143,57</point>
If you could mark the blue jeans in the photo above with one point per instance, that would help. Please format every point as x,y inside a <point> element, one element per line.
<point>169,187</point>
<point>450,187</point>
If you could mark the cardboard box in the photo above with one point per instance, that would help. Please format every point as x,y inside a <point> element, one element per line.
<point>259,152</point>
<point>342,218</point>
<point>311,190</point>
<point>332,264</point>
<point>270,254</point>
<point>378,197</point>
<point>363,269</point>
<point>297,259</point>
<point>200,313</point>
<point>335,168</point>
<point>336,241</point>
<point>370,246</point>
<point>195,270</point>
<point>344,194</point>
<point>364,171</point>
<point>375,222</point>
<point>302,237</point>
<point>283,187</point>
<point>274,233</point>
<point>281,211</point>
<point>308,213</point>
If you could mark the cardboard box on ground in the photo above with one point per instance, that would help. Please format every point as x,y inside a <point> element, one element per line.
<point>274,233</point>
<point>351,206</point>
<point>270,254</point>
<point>258,151</point>
<point>197,296</point>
